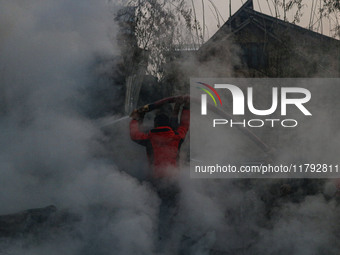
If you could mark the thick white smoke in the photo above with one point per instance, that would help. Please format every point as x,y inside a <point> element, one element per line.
<point>50,153</point>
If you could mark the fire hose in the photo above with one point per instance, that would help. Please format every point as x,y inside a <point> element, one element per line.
<point>168,100</point>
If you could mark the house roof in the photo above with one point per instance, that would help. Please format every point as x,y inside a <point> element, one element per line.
<point>261,19</point>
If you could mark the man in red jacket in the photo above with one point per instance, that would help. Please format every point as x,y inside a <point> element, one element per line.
<point>163,142</point>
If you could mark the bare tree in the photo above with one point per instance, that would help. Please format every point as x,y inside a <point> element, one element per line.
<point>319,12</point>
<point>164,26</point>
<point>331,10</point>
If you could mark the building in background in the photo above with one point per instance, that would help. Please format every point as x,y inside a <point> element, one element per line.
<point>252,44</point>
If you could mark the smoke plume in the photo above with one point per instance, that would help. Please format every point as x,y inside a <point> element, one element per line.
<point>51,152</point>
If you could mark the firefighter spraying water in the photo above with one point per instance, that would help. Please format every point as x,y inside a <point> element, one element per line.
<point>163,144</point>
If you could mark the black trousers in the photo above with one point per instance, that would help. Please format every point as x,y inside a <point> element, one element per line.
<point>169,194</point>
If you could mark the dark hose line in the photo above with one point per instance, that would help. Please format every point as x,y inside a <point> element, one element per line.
<point>222,113</point>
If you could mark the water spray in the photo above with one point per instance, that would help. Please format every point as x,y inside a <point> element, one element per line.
<point>168,100</point>
<point>111,121</point>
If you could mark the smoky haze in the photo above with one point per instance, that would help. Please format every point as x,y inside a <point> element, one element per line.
<point>263,216</point>
<point>52,153</point>
<point>49,152</point>
<point>46,49</point>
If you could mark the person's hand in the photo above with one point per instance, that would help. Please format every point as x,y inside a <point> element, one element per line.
<point>134,115</point>
<point>137,114</point>
<point>179,100</point>
<point>178,103</point>
<point>186,101</point>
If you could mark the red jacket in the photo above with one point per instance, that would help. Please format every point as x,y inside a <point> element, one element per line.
<point>162,144</point>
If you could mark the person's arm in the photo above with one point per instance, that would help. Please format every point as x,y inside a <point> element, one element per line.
<point>174,115</point>
<point>135,134</point>
<point>185,119</point>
